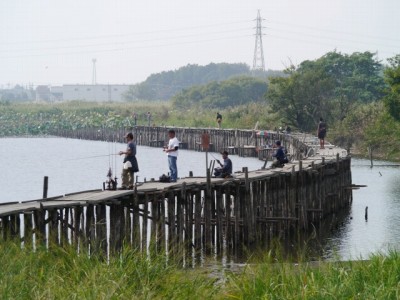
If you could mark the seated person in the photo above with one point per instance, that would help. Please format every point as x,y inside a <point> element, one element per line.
<point>280,156</point>
<point>226,168</point>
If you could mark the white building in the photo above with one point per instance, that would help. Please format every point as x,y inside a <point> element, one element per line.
<point>84,92</point>
<point>97,92</point>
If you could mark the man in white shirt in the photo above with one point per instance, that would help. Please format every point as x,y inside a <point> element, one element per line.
<point>172,152</point>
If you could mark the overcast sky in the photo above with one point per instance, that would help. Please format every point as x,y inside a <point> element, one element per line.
<point>54,42</point>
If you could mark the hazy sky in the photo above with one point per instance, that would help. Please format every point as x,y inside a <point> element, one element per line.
<point>53,41</point>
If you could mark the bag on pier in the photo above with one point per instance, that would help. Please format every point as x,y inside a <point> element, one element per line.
<point>165,178</point>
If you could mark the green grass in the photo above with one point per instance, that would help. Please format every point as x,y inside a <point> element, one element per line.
<point>62,273</point>
<point>376,278</point>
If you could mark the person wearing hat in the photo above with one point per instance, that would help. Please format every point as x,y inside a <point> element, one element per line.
<point>279,155</point>
<point>226,168</point>
<point>130,163</point>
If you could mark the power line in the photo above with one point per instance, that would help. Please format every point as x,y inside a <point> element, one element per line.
<point>127,48</point>
<point>124,45</point>
<point>127,41</point>
<point>123,35</point>
<point>319,29</point>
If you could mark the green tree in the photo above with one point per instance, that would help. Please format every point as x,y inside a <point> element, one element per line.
<point>236,91</point>
<point>392,78</point>
<point>302,97</point>
<point>329,87</point>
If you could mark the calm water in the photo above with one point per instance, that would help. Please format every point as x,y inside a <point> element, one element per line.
<point>76,165</point>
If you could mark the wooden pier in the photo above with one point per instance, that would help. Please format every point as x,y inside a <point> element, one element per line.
<point>194,213</point>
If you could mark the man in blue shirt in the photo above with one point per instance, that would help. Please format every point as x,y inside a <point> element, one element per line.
<point>279,155</point>
<point>225,170</point>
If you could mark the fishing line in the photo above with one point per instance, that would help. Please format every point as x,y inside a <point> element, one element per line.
<point>89,157</point>
<point>115,158</point>
<point>213,156</point>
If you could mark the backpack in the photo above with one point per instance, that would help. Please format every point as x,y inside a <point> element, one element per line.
<point>164,178</point>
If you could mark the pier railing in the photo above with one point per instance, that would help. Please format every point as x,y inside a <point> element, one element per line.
<point>236,141</point>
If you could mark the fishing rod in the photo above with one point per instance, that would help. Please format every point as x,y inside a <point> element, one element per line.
<point>91,157</point>
<point>213,156</point>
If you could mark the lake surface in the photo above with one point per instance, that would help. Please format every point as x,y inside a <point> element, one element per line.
<point>77,165</point>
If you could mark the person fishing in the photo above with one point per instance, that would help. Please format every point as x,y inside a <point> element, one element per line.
<point>130,163</point>
<point>225,171</point>
<point>280,156</point>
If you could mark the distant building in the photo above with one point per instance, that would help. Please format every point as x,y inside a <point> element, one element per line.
<point>84,92</point>
<point>17,94</point>
<point>43,93</point>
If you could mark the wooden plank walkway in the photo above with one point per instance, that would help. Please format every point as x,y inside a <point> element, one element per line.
<point>93,197</point>
<point>196,212</point>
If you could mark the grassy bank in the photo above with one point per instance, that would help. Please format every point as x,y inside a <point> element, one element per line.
<point>61,273</point>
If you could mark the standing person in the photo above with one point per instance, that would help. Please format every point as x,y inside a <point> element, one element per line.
<point>172,152</point>
<point>219,119</point>
<point>288,129</point>
<point>225,170</point>
<point>135,118</point>
<point>321,133</point>
<point>130,163</point>
<point>148,116</point>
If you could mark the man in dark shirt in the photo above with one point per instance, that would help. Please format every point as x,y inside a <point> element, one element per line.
<point>321,133</point>
<point>279,155</point>
<point>219,119</point>
<point>226,168</point>
<point>130,163</point>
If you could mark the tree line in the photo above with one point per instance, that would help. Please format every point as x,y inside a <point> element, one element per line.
<point>358,96</point>
<point>356,93</point>
<point>164,85</point>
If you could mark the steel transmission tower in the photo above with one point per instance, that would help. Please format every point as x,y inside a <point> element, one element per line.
<point>258,61</point>
<point>94,72</point>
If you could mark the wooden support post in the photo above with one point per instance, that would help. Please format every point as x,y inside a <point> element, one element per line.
<point>145,220</point>
<point>228,212</point>
<point>40,225</point>
<point>89,225</point>
<point>28,229</point>
<point>154,232</point>
<point>45,186</point>
<point>100,246</point>
<point>197,222</point>
<point>189,224</point>
<point>171,222</point>
<point>76,224</point>
<point>52,226</point>
<point>116,225</point>
<point>161,224</point>
<point>136,221</point>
